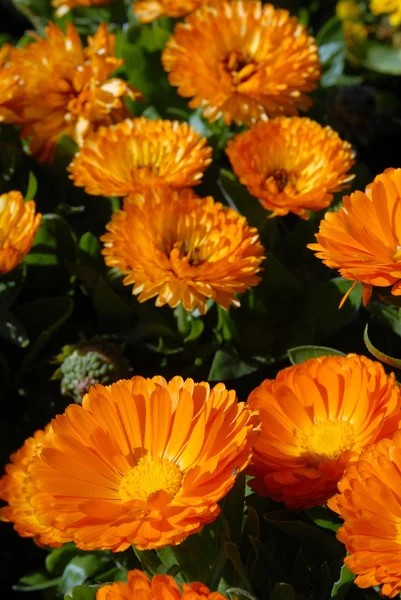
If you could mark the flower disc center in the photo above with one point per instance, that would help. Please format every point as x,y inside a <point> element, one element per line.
<point>326,440</point>
<point>239,66</point>
<point>151,479</point>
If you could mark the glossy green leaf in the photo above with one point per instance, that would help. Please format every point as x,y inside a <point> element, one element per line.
<point>36,581</point>
<point>382,58</point>
<point>227,366</point>
<point>389,360</point>
<point>12,329</point>
<point>238,197</point>
<point>32,187</point>
<point>341,587</point>
<point>82,592</point>
<point>57,560</point>
<point>81,568</point>
<point>300,354</point>
<point>54,243</point>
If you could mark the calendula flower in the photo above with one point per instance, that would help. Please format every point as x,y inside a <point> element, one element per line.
<point>64,6</point>
<point>68,89</point>
<point>160,587</point>
<point>139,154</point>
<point>14,489</point>
<point>10,89</point>
<point>142,461</point>
<point>149,10</point>
<point>390,7</point>
<point>363,239</point>
<point>370,504</point>
<point>183,249</point>
<point>242,60</point>
<point>18,226</point>
<point>348,10</point>
<point>291,164</point>
<point>316,418</point>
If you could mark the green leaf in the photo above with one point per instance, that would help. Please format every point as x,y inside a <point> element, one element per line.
<point>11,284</point>
<point>382,58</point>
<point>238,197</point>
<point>32,187</point>
<point>90,246</point>
<point>282,591</point>
<point>232,507</point>
<point>300,354</point>
<point>57,560</point>
<point>12,329</point>
<point>81,568</point>
<point>54,243</point>
<point>36,581</point>
<point>111,310</point>
<point>43,318</point>
<point>341,586</point>
<point>324,517</point>
<point>390,315</point>
<point>82,592</point>
<point>389,360</point>
<point>227,366</point>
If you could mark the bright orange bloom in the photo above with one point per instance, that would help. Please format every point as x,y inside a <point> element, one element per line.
<point>370,504</point>
<point>14,489</point>
<point>149,10</point>
<point>142,461</point>
<point>291,164</point>
<point>242,60</point>
<point>139,154</point>
<point>160,587</point>
<point>64,6</point>
<point>363,239</point>
<point>316,418</point>
<point>10,89</point>
<point>183,249</point>
<point>68,89</point>
<point>18,226</point>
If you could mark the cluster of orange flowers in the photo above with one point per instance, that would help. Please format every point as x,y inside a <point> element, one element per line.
<point>146,461</point>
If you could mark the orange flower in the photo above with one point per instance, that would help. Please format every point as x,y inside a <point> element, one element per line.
<point>64,6</point>
<point>363,239</point>
<point>10,90</point>
<point>370,504</point>
<point>316,418</point>
<point>160,587</point>
<point>142,461</point>
<point>242,60</point>
<point>149,10</point>
<point>68,89</point>
<point>183,249</point>
<point>18,226</point>
<point>140,154</point>
<point>14,489</point>
<point>291,164</point>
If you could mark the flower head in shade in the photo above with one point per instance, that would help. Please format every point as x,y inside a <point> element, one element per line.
<point>370,504</point>
<point>68,89</point>
<point>363,239</point>
<point>64,6</point>
<point>242,60</point>
<point>160,587</point>
<point>392,8</point>
<point>18,226</point>
<point>183,249</point>
<point>143,462</point>
<point>139,154</point>
<point>14,490</point>
<point>149,10</point>
<point>316,418</point>
<point>291,164</point>
<point>11,93</point>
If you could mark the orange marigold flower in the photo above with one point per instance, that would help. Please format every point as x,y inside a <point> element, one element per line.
<point>64,6</point>
<point>242,60</point>
<point>68,89</point>
<point>18,226</point>
<point>370,504</point>
<point>363,239</point>
<point>149,10</point>
<point>160,587</point>
<point>139,154</point>
<point>316,418</point>
<point>142,461</point>
<point>183,249</point>
<point>291,164</point>
<point>10,89</point>
<point>14,489</point>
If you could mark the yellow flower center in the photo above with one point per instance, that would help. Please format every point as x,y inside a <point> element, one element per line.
<point>239,66</point>
<point>326,440</point>
<point>152,480</point>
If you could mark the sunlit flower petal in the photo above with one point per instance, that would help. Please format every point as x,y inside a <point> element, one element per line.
<point>183,249</point>
<point>316,418</point>
<point>291,164</point>
<point>139,154</point>
<point>242,60</point>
